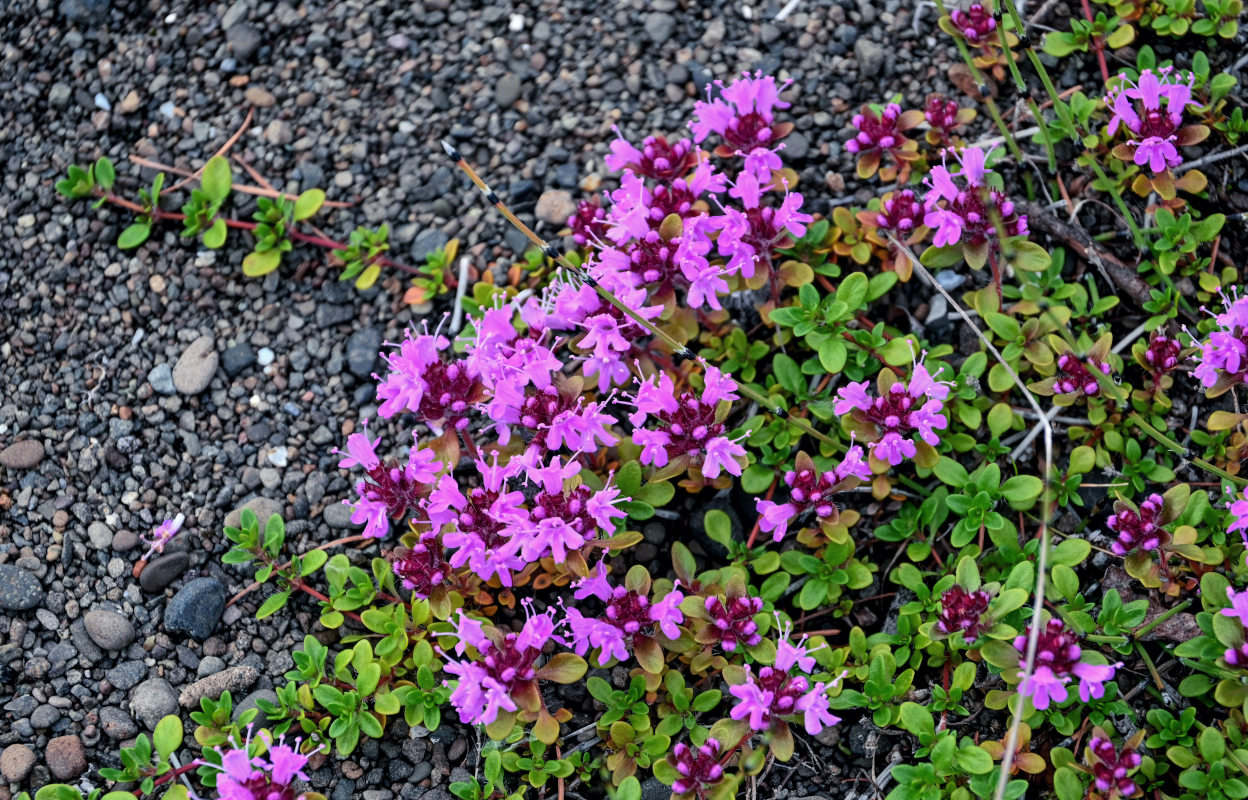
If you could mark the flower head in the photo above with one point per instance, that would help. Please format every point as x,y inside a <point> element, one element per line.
<point>689,426</point>
<point>421,568</point>
<point>903,413</point>
<point>269,777</point>
<point>742,114</point>
<point>699,769</point>
<point>976,24</point>
<point>963,611</point>
<point>1223,358</point>
<point>1059,659</point>
<point>968,214</point>
<point>812,490</point>
<point>656,158</point>
<point>1152,111</point>
<point>1111,768</point>
<point>589,222</point>
<point>506,662</point>
<point>784,690</point>
<point>437,391</point>
<point>1076,374</point>
<point>1138,528</point>
<point>629,616</point>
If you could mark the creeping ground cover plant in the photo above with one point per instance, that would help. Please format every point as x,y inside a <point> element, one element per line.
<point>717,500</point>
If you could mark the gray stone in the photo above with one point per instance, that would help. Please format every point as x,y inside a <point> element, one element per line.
<point>16,762</point>
<point>555,206</point>
<point>507,90</point>
<point>196,609</point>
<point>660,26</point>
<point>249,702</point>
<point>234,679</point>
<point>194,370</point>
<point>243,41</point>
<point>59,95</point>
<point>152,700</point>
<point>22,455</point>
<point>713,36</point>
<point>796,145</point>
<point>65,758</point>
<point>338,515</point>
<point>109,629</point>
<point>262,507</point>
<point>163,571</point>
<point>870,57</point>
<point>161,379</point>
<point>117,724</point>
<point>100,535</point>
<point>127,675</point>
<point>44,717</point>
<point>124,541</point>
<point>87,649</point>
<point>237,358</point>
<point>278,132</point>
<point>19,590</point>
<point>363,348</point>
<point>84,11</point>
<point>209,665</point>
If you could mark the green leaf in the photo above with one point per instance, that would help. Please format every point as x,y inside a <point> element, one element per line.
<point>938,257</point>
<point>718,526</point>
<point>134,235</point>
<point>309,203</point>
<point>168,736</point>
<point>311,562</point>
<point>214,237</point>
<point>853,290</point>
<point>58,791</point>
<point>1022,490</point>
<point>1029,257</point>
<point>974,760</point>
<point>258,263</point>
<point>216,179</point>
<point>789,374</point>
<point>1072,552</point>
<point>1067,785</point>
<point>273,605</point>
<point>104,173</point>
<point>951,472</point>
<point>630,789</point>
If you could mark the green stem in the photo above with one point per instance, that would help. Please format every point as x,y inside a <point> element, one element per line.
<point>1181,452</point>
<point>1152,668</point>
<point>1096,637</point>
<point>1170,612</point>
<point>993,111</point>
<point>1043,133</point>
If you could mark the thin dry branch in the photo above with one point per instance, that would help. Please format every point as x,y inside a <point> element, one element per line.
<point>225,148</point>
<point>238,187</point>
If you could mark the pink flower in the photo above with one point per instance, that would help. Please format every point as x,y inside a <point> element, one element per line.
<point>508,660</point>
<point>904,410</point>
<point>775,517</point>
<point>812,490</point>
<point>629,614</point>
<point>1155,128</point>
<point>656,159</point>
<point>419,381</point>
<point>698,769</point>
<point>976,23</point>
<point>689,427</point>
<point>360,451</point>
<point>777,691</point>
<point>162,535</point>
<point>1092,678</point>
<point>1044,686</point>
<point>421,568</point>
<point>969,215</point>
<point>478,696</point>
<point>1140,529</point>
<point>1223,359</point>
<point>1059,658</point>
<point>247,777</point>
<point>370,512</point>
<point>723,454</point>
<point>1110,768</point>
<point>754,703</point>
<point>1239,606</point>
<point>743,115</point>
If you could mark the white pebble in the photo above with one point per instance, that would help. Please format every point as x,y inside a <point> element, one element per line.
<point>167,108</point>
<point>516,24</point>
<point>101,102</point>
<point>265,356</point>
<point>277,457</point>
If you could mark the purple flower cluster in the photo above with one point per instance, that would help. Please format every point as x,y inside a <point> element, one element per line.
<point>781,691</point>
<point>699,769</point>
<point>1239,513</point>
<point>969,214</point>
<point>905,410</point>
<point>901,213</point>
<point>629,614</point>
<point>733,621</point>
<point>1223,359</point>
<point>388,492</point>
<point>1237,656</point>
<point>1059,659</point>
<point>976,24</point>
<point>963,612</point>
<point>1140,528</point>
<point>503,662</point>
<point>1076,374</point>
<point>1152,110</point>
<point>743,114</point>
<point>811,490</point>
<point>1111,768</point>
<point>422,567</point>
<point>689,427</point>
<point>437,391</point>
<point>876,131</point>
<point>247,777</point>
<point>490,529</point>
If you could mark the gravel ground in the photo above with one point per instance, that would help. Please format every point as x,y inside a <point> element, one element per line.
<point>141,385</point>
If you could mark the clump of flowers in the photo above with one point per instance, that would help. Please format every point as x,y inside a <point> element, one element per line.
<point>732,621</point>
<point>943,116</point>
<point>1059,660</point>
<point>970,214</point>
<point>690,430</point>
<point>627,622</point>
<point>269,777</point>
<point>1223,359</point>
<point>421,568</point>
<point>1152,112</point>
<point>1237,656</point>
<point>743,115</point>
<point>1077,376</point>
<point>749,235</point>
<point>1239,511</point>
<point>812,490</point>
<point>438,391</point>
<point>1111,767</point>
<point>903,414</point>
<point>388,492</point>
<point>785,689</point>
<point>699,769</point>
<point>883,131</point>
<point>976,24</point>
<point>162,535</point>
<point>657,158</point>
<point>963,612</point>
<point>1138,527</point>
<point>589,222</point>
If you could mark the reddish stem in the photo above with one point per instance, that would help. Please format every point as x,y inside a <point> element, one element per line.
<point>303,587</point>
<point>174,773</point>
<point>1097,44</point>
